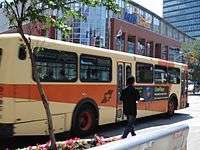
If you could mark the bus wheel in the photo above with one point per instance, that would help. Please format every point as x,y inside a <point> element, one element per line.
<point>84,121</point>
<point>171,108</point>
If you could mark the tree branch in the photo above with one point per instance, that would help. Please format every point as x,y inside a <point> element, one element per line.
<point>13,11</point>
<point>23,8</point>
<point>70,2</point>
<point>16,7</point>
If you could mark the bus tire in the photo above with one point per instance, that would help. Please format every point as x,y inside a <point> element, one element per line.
<point>172,105</point>
<point>171,108</point>
<point>84,120</point>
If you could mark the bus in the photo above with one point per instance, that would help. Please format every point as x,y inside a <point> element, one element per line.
<point>83,86</point>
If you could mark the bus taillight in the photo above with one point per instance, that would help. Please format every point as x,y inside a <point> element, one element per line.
<point>1,105</point>
<point>1,91</point>
<point>1,95</point>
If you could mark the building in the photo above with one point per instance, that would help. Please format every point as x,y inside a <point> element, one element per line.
<point>184,15</point>
<point>134,30</point>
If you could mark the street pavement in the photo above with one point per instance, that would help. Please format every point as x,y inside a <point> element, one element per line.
<point>194,122</point>
<point>190,116</point>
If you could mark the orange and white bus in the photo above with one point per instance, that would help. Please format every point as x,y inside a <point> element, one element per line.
<point>83,86</point>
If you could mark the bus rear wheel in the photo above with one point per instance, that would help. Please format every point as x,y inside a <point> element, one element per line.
<point>171,108</point>
<point>84,121</point>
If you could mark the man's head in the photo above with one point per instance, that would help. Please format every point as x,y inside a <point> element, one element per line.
<point>130,80</point>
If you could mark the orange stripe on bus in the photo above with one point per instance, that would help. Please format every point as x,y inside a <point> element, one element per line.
<point>158,105</point>
<point>104,95</point>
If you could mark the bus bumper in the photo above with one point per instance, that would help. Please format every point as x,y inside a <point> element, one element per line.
<point>6,130</point>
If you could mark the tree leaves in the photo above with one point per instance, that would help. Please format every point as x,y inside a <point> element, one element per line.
<point>192,54</point>
<point>20,12</point>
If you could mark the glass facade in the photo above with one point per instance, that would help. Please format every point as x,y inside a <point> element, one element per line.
<point>95,30</point>
<point>92,29</point>
<point>184,15</point>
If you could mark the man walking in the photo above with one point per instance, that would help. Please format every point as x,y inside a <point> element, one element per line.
<point>130,96</point>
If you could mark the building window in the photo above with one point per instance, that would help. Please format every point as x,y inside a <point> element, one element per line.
<point>156,25</point>
<point>120,42</point>
<point>149,49</point>
<point>144,73</point>
<point>170,31</point>
<point>164,52</point>
<point>131,44</point>
<point>163,28</point>
<point>141,47</point>
<point>175,55</point>
<point>95,69</point>
<point>56,66</point>
<point>158,50</point>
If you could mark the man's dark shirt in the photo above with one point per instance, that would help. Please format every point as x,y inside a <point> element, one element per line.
<point>129,96</point>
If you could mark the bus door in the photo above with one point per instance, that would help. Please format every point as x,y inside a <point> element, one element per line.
<point>123,72</point>
<point>184,89</point>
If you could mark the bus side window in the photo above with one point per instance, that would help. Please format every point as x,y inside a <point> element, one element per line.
<point>174,75</point>
<point>160,74</point>
<point>95,68</point>
<point>144,73</point>
<point>56,66</point>
<point>22,52</point>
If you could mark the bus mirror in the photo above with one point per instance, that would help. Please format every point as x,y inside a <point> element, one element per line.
<point>22,53</point>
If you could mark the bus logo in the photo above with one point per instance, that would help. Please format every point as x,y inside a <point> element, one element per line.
<point>107,96</point>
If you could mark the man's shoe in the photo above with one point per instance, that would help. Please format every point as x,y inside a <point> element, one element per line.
<point>123,137</point>
<point>133,133</point>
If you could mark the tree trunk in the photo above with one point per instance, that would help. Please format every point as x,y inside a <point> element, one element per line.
<point>40,88</point>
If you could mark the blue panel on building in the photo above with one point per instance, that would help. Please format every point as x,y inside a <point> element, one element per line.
<point>130,18</point>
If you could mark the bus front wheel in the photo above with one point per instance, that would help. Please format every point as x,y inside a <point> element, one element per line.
<point>84,121</point>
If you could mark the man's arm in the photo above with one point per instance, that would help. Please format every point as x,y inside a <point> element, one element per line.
<point>122,96</point>
<point>137,95</point>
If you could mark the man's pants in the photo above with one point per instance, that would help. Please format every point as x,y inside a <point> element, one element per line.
<point>130,126</point>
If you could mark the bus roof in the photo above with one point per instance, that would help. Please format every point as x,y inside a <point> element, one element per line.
<point>59,42</point>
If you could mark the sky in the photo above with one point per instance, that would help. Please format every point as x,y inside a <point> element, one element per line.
<point>155,6</point>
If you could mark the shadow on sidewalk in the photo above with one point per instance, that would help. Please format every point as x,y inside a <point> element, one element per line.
<point>142,123</point>
<point>104,130</point>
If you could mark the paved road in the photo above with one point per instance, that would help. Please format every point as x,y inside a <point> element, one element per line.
<point>190,116</point>
<point>194,123</point>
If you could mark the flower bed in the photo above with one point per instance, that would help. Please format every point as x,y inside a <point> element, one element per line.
<point>74,144</point>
